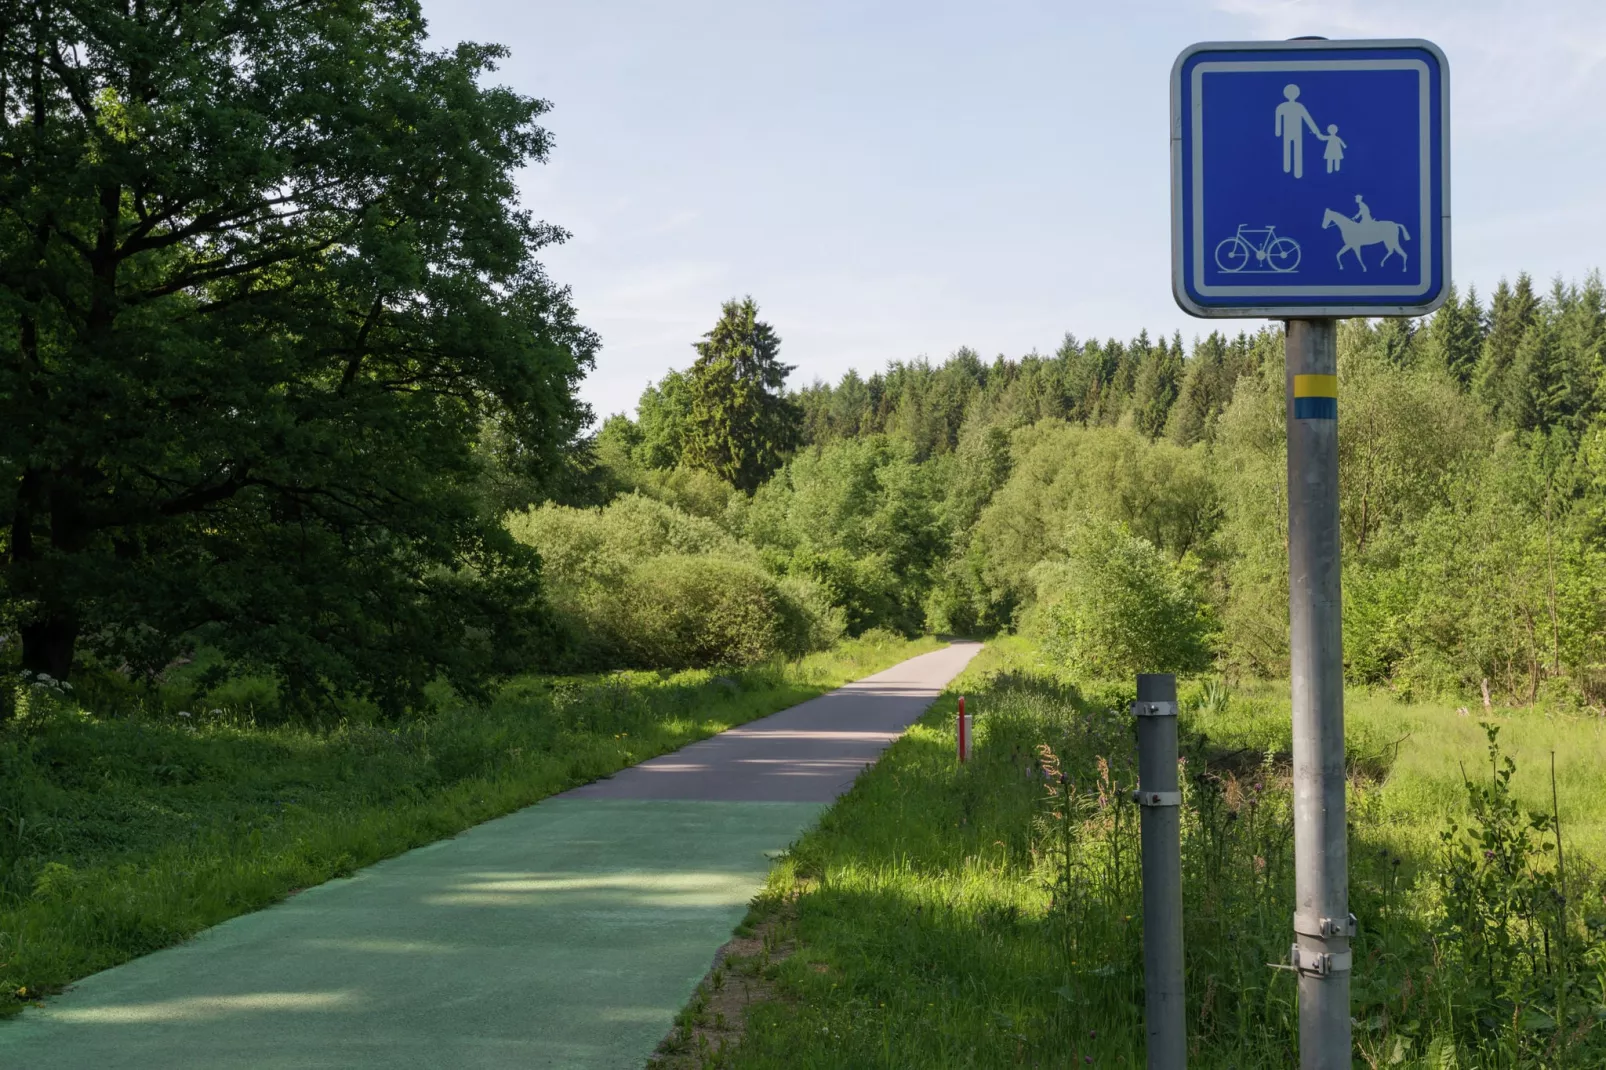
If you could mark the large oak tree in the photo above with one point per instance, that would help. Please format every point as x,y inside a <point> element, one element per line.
<point>263,289</point>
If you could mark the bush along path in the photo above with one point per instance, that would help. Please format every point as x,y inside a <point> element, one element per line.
<point>566,934</point>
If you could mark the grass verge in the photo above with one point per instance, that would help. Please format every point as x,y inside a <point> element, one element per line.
<point>990,915</point>
<point>745,973</point>
<point>119,836</point>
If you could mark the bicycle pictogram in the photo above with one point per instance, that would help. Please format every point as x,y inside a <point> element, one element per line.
<point>1257,246</point>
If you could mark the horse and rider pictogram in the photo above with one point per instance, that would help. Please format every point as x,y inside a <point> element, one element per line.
<point>1362,230</point>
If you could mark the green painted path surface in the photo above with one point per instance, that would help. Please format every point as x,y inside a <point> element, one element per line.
<point>567,934</point>
<point>390,967</point>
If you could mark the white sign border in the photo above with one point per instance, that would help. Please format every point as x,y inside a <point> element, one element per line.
<point>1280,311</point>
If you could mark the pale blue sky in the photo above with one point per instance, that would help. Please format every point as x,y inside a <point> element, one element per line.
<point>897,179</point>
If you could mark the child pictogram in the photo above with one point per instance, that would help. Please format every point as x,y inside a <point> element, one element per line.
<point>1335,149</point>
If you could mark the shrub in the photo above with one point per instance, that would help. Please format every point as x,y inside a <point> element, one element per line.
<point>865,588</point>
<point>861,519</point>
<point>581,546</point>
<point>691,612</point>
<point>1063,475</point>
<point>693,490</point>
<point>1118,606</point>
<point>640,583</point>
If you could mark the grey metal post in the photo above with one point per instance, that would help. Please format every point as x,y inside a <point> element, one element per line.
<point>1161,801</point>
<point>1322,921</point>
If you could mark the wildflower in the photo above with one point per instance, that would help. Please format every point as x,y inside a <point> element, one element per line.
<point>1258,786</point>
<point>183,713</point>
<point>1092,1034</point>
<point>1087,1058</point>
<point>46,677</point>
<point>66,685</point>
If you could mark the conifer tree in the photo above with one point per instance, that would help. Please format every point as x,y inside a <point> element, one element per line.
<point>1080,367</point>
<point>1200,396</point>
<point>1511,312</point>
<point>739,425</point>
<point>1397,342</point>
<point>1154,388</point>
<point>1117,368</point>
<point>1538,388</point>
<point>1455,335</point>
<point>1581,336</point>
<point>662,416</point>
<point>850,408</point>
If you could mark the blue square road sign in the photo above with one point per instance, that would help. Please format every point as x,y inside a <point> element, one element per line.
<point>1310,178</point>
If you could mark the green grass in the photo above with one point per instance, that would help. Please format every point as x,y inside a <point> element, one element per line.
<point>937,927</point>
<point>1436,743</point>
<point>122,835</point>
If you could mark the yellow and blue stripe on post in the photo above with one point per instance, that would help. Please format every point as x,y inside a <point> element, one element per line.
<point>1315,397</point>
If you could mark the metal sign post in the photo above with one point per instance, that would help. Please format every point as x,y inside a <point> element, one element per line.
<point>1310,181</point>
<point>1322,921</point>
<point>1160,796</point>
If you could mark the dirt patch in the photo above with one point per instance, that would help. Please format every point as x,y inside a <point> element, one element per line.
<point>1249,764</point>
<point>711,1026</point>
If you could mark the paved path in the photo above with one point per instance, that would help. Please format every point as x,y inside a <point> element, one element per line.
<point>567,934</point>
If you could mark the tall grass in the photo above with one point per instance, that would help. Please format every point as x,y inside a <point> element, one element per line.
<point>121,835</point>
<point>990,914</point>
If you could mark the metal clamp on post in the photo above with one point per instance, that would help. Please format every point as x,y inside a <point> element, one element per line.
<point>1323,963</point>
<point>1324,928</point>
<point>1320,963</point>
<point>1147,708</point>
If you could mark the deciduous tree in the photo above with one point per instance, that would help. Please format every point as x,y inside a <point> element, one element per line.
<point>263,284</point>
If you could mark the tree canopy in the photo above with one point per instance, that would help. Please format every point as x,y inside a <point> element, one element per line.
<point>264,291</point>
<point>966,494</point>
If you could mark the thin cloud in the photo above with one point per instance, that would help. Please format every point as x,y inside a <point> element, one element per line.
<point>1530,65</point>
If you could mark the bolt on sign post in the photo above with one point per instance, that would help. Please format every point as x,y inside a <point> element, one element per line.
<point>1310,180</point>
